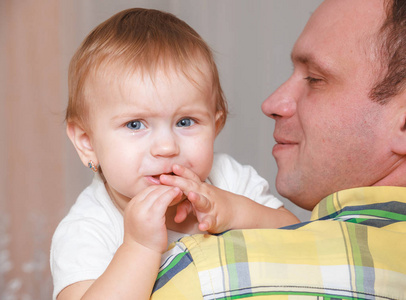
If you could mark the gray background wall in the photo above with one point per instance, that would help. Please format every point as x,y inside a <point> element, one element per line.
<point>41,175</point>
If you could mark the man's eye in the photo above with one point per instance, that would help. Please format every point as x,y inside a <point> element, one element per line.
<point>185,122</point>
<point>312,80</point>
<point>135,125</point>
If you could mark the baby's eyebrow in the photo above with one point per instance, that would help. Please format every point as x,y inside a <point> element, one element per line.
<point>130,116</point>
<point>132,110</point>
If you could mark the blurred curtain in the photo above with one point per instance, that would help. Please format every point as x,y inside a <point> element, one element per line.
<point>32,145</point>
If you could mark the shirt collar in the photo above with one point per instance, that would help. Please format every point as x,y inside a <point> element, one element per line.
<point>375,200</point>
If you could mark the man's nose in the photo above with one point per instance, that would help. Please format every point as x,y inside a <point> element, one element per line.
<point>164,144</point>
<point>282,102</point>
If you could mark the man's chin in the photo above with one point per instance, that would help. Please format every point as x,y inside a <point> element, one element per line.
<point>297,194</point>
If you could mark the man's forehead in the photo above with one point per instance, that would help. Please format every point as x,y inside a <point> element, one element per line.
<point>351,14</point>
<point>335,30</point>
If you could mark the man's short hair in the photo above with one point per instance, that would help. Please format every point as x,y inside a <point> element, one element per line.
<point>392,38</point>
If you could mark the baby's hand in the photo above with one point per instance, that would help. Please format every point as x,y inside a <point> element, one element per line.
<point>144,217</point>
<point>211,205</point>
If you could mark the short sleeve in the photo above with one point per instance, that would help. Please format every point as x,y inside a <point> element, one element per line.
<point>81,250</point>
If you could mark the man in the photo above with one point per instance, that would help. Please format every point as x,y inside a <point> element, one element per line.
<point>335,129</point>
<point>340,136</point>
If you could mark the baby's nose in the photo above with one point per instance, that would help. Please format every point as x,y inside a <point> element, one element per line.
<point>165,145</point>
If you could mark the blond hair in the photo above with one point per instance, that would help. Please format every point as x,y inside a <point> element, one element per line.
<point>139,40</point>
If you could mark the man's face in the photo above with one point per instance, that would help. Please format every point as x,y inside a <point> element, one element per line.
<point>329,135</point>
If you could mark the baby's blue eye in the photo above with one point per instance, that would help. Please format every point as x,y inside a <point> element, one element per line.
<point>135,125</point>
<point>185,122</point>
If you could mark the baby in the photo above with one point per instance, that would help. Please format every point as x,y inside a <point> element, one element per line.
<point>145,106</point>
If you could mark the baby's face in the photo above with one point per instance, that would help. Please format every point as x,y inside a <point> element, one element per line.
<point>141,128</point>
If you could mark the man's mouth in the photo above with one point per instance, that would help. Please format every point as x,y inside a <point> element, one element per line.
<point>283,141</point>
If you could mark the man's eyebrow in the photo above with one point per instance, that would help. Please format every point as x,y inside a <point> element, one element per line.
<point>304,59</point>
<point>312,62</point>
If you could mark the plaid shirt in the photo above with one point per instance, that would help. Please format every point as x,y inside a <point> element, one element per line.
<point>354,247</point>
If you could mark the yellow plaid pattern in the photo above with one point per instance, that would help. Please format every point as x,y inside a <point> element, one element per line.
<point>354,247</point>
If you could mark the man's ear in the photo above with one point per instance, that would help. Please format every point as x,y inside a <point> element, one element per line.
<point>399,137</point>
<point>81,141</point>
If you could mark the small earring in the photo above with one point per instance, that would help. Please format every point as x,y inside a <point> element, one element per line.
<point>93,166</point>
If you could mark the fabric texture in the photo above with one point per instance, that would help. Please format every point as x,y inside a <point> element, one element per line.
<point>354,247</point>
<point>88,237</point>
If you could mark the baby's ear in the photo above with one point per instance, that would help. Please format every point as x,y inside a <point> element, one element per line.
<point>219,122</point>
<point>81,141</point>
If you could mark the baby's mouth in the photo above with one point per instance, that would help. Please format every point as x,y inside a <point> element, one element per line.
<point>159,175</point>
